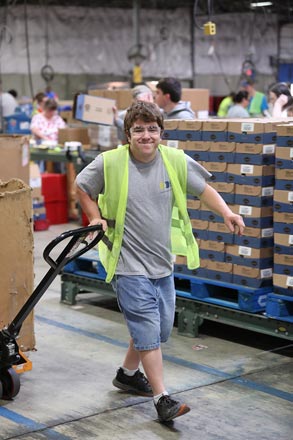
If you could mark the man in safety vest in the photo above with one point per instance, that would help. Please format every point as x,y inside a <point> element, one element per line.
<point>258,103</point>
<point>138,194</point>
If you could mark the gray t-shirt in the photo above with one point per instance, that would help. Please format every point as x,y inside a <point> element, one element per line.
<point>146,247</point>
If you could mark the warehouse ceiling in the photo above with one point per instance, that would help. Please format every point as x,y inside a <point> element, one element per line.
<point>281,7</point>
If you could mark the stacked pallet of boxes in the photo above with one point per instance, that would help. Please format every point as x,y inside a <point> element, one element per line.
<point>240,156</point>
<point>280,303</point>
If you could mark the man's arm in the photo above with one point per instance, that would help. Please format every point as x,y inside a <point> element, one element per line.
<point>215,203</point>
<point>90,208</point>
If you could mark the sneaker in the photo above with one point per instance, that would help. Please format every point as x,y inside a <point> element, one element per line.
<point>137,383</point>
<point>168,409</point>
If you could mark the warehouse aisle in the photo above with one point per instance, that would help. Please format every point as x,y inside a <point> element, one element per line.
<point>235,391</point>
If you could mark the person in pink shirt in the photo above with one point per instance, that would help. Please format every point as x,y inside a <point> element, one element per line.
<point>45,125</point>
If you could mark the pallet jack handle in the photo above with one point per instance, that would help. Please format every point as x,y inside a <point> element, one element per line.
<point>71,251</point>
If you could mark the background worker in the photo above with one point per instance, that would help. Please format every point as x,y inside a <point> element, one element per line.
<point>239,109</point>
<point>258,104</point>
<point>45,125</point>
<point>38,103</point>
<point>225,104</point>
<point>135,186</point>
<point>168,98</point>
<point>139,93</point>
<point>281,99</point>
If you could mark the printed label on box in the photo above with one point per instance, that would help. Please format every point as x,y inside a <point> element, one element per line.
<point>245,210</point>
<point>291,153</point>
<point>25,154</point>
<point>243,250</point>
<point>173,144</point>
<point>247,126</point>
<point>266,273</point>
<point>290,196</point>
<point>268,149</point>
<point>246,169</point>
<point>290,239</point>
<point>268,232</point>
<point>289,282</point>
<point>267,191</point>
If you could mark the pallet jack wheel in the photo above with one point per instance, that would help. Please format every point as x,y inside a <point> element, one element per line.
<point>10,384</point>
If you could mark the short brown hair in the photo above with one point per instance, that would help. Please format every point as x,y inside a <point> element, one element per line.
<point>145,111</point>
<point>50,104</point>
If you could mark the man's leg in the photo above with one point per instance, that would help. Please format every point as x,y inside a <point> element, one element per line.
<point>132,358</point>
<point>152,362</point>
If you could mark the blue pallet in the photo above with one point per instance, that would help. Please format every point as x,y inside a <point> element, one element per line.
<point>215,136</point>
<point>280,306</point>
<point>252,282</point>
<point>88,265</point>
<point>243,199</point>
<point>283,291</point>
<point>254,159</point>
<point>221,293</point>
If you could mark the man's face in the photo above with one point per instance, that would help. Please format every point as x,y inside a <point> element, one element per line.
<point>161,99</point>
<point>144,139</point>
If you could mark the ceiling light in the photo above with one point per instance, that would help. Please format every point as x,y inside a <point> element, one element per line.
<point>260,4</point>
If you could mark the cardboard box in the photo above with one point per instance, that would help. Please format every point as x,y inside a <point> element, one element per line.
<point>251,131</point>
<point>195,146</point>
<point>252,277</point>
<point>122,97</point>
<point>221,152</point>
<point>285,282</point>
<point>199,100</point>
<point>256,237</point>
<point>261,258</point>
<point>226,190</point>
<point>283,217</point>
<point>198,156</point>
<point>193,203</point>
<point>283,201</point>
<point>14,158</point>
<point>70,134</point>
<point>95,109</point>
<point>283,175</point>
<point>103,137</point>
<point>256,217</point>
<point>212,250</point>
<point>247,174</point>
<point>283,240</point>
<point>189,130</point>
<point>200,228</point>
<point>220,271</point>
<point>255,154</point>
<point>283,264</point>
<point>16,256</point>
<point>254,195</point>
<point>219,232</point>
<point>215,130</point>
<point>285,130</point>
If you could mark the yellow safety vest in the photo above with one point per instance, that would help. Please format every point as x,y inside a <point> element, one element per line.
<point>113,204</point>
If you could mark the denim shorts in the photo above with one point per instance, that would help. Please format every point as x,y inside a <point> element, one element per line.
<point>148,306</point>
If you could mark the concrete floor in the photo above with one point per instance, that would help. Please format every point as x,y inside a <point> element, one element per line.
<point>239,386</point>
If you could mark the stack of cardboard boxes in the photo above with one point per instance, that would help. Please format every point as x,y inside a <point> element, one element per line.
<point>283,212</point>
<point>240,154</point>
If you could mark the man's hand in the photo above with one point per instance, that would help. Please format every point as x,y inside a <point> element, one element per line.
<point>234,222</point>
<point>99,221</point>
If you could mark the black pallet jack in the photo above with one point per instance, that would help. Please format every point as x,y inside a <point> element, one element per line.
<point>78,242</point>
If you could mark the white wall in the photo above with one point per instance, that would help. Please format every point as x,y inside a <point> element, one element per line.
<point>85,41</point>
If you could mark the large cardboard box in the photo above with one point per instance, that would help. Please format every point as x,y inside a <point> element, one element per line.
<point>16,256</point>
<point>199,101</point>
<point>122,97</point>
<point>95,109</point>
<point>14,158</point>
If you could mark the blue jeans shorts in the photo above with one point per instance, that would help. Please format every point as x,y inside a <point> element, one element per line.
<point>148,306</point>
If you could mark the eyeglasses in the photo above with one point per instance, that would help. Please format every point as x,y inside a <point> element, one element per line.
<point>139,131</point>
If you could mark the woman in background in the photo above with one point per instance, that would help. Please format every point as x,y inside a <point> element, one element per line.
<point>281,99</point>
